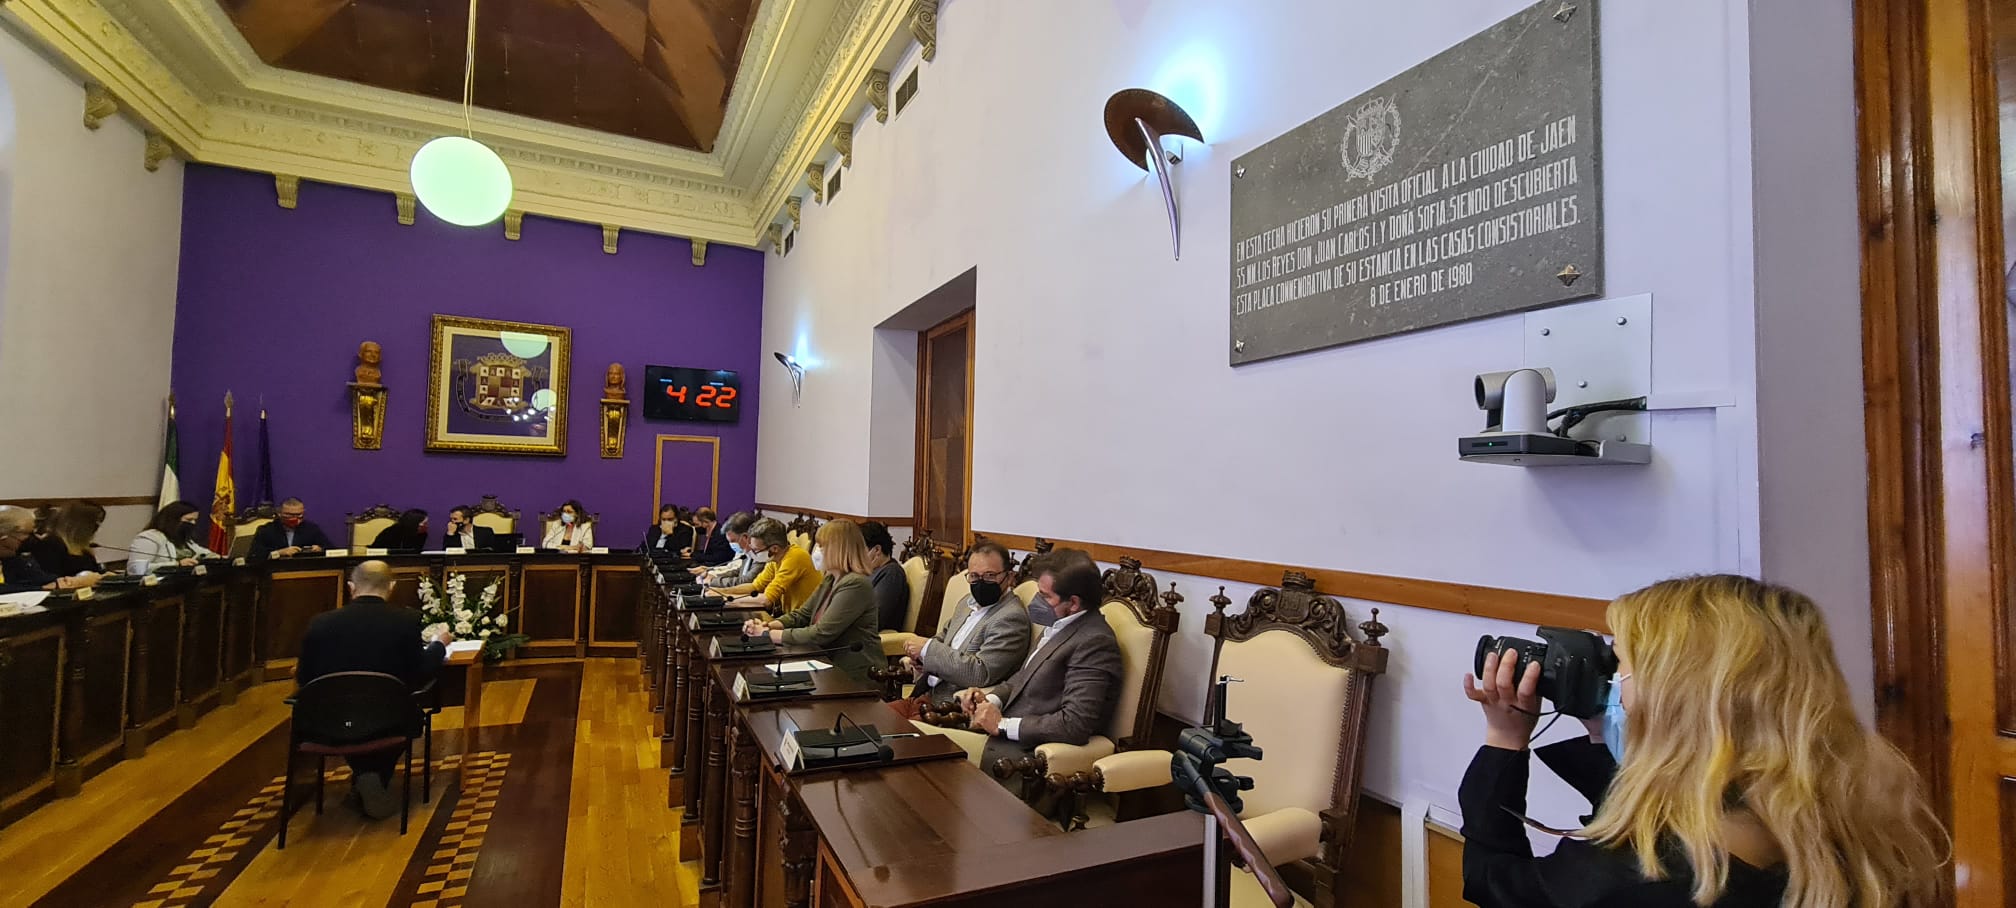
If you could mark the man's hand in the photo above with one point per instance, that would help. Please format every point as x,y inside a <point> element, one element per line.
<point>287,552</point>
<point>187,562</point>
<point>914,648</point>
<point>968,698</point>
<point>752,628</point>
<point>445,637</point>
<point>916,671</point>
<point>314,550</point>
<point>697,571</point>
<point>686,552</point>
<point>987,717</point>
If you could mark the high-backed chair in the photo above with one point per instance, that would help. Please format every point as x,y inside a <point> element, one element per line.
<point>1290,646</point>
<point>1142,623</point>
<point>803,531</point>
<point>917,572</point>
<point>550,519</point>
<point>247,524</point>
<point>495,517</point>
<point>1023,578</point>
<point>365,527</point>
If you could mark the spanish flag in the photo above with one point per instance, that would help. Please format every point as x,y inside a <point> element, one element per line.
<point>225,501</point>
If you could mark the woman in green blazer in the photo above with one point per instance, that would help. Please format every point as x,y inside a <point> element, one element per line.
<point>842,611</point>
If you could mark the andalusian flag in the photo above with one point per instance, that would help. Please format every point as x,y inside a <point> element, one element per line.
<point>171,464</point>
<point>225,502</point>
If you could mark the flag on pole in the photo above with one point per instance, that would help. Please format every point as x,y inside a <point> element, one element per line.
<point>265,495</point>
<point>225,501</point>
<point>171,464</point>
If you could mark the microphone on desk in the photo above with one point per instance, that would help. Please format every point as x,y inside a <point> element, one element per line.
<point>882,752</point>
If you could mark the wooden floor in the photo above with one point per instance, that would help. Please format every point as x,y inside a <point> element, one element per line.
<point>564,807</point>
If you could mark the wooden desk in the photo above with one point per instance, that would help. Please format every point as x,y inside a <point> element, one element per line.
<point>471,662</point>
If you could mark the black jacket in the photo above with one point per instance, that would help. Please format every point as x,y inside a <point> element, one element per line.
<point>21,574</point>
<point>398,540</point>
<point>681,537</point>
<point>486,539</point>
<point>1500,871</point>
<point>711,549</point>
<point>55,557</point>
<point>272,537</point>
<point>368,635</point>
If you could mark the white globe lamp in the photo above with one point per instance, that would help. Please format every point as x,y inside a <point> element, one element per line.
<point>461,181</point>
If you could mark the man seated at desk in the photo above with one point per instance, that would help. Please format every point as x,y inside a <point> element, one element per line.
<point>18,572</point>
<point>739,569</point>
<point>787,577</point>
<point>464,534</point>
<point>984,643</point>
<point>710,544</point>
<point>371,635</point>
<point>1067,689</point>
<point>290,535</point>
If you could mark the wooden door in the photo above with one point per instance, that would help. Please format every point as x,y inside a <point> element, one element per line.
<point>1937,407</point>
<point>944,438</point>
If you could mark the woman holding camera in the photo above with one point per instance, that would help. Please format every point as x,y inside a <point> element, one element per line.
<point>1740,776</point>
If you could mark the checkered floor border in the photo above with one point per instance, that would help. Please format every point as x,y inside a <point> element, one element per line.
<point>446,882</point>
<point>187,883</point>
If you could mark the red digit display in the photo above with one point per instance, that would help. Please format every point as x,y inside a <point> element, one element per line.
<point>694,395</point>
<point>676,392</point>
<point>726,398</point>
<point>705,398</point>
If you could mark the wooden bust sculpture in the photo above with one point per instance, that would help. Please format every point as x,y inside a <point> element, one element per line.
<point>367,399</point>
<point>368,357</point>
<point>614,387</point>
<point>615,412</point>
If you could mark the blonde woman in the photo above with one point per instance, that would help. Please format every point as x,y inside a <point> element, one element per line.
<point>1743,777</point>
<point>842,611</point>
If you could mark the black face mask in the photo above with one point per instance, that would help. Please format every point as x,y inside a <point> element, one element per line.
<point>986,592</point>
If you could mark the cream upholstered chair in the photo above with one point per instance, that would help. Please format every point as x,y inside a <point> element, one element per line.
<point>495,517</point>
<point>365,527</point>
<point>1292,648</point>
<point>1142,622</point>
<point>551,519</point>
<point>803,531</point>
<point>921,562</point>
<point>248,524</point>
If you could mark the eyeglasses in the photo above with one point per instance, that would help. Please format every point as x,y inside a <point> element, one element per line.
<point>977,576</point>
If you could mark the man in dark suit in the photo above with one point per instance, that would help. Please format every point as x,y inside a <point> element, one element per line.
<point>371,635</point>
<point>18,570</point>
<point>1067,689</point>
<point>290,535</point>
<point>710,544</point>
<point>463,533</point>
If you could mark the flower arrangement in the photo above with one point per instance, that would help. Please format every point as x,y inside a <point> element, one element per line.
<point>481,621</point>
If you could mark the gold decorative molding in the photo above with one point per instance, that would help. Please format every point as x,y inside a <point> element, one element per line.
<point>609,232</point>
<point>878,94</point>
<point>288,188</point>
<point>99,105</point>
<point>795,207</point>
<point>815,176</point>
<point>514,224</point>
<point>924,25</point>
<point>406,204</point>
<point>699,253</point>
<point>776,237</point>
<point>843,142</point>
<point>158,149</point>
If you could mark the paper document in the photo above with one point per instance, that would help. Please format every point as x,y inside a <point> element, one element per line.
<point>464,646</point>
<point>809,665</point>
<point>27,603</point>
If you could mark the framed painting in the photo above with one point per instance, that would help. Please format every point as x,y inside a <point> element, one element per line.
<point>498,387</point>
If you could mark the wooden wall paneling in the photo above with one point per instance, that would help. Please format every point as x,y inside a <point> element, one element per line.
<point>613,597</point>
<point>157,670</point>
<point>549,609</point>
<point>944,429</point>
<point>31,691</point>
<point>292,599</point>
<point>202,663</point>
<point>94,704</point>
<point>406,584</point>
<point>241,628</point>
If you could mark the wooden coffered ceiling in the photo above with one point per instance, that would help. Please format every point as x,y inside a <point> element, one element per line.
<point>694,118</point>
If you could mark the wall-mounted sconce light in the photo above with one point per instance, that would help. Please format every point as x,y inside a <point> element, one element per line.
<point>1136,120</point>
<point>797,375</point>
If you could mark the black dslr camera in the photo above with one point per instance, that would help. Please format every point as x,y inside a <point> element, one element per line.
<point>1575,666</point>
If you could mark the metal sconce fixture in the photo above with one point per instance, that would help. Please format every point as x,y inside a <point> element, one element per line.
<point>797,375</point>
<point>1136,120</point>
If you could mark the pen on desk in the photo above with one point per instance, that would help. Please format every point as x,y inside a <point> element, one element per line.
<point>908,734</point>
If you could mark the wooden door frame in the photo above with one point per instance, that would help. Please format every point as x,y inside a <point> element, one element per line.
<point>1938,434</point>
<point>918,499</point>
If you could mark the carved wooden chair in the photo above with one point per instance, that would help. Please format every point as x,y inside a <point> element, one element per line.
<point>366,526</point>
<point>248,523</point>
<point>551,519</point>
<point>494,516</point>
<point>1023,579</point>
<point>802,531</point>
<point>1143,623</point>
<point>922,563</point>
<point>1306,693</point>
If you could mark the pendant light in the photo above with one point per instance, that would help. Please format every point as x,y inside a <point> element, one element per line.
<point>459,179</point>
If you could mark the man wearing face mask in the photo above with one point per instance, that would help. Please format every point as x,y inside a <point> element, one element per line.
<point>290,535</point>
<point>710,544</point>
<point>981,646</point>
<point>787,578</point>
<point>463,533</point>
<point>739,569</point>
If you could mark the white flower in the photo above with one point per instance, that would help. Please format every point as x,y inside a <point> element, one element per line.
<point>462,627</point>
<point>502,620</point>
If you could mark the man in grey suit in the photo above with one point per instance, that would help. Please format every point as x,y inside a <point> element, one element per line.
<point>1067,689</point>
<point>985,642</point>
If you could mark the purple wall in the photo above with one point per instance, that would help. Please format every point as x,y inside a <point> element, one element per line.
<point>273,303</point>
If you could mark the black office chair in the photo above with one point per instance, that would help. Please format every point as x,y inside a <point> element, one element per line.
<point>428,698</point>
<point>349,714</point>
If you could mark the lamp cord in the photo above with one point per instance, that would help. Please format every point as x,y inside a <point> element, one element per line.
<point>469,75</point>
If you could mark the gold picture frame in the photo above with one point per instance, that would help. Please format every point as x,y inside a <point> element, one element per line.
<point>497,387</point>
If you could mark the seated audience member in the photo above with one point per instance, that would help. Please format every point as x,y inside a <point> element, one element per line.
<point>18,570</point>
<point>841,612</point>
<point>291,534</point>
<point>892,586</point>
<point>407,536</point>
<point>670,535</point>
<point>463,532</point>
<point>572,532</point>
<point>984,643</point>
<point>168,541</point>
<point>1067,688</point>
<point>1729,770</point>
<point>709,544</point>
<point>1039,611</point>
<point>67,548</point>
<point>786,578</point>
<point>739,569</point>
<point>371,635</point>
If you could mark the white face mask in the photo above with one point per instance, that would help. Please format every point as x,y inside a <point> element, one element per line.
<point>762,556</point>
<point>668,525</point>
<point>818,559</point>
<point>566,518</point>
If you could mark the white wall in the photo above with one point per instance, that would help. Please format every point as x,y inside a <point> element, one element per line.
<point>1104,408</point>
<point>87,295</point>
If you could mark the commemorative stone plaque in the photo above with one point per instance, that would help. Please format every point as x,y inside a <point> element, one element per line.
<point>1467,187</point>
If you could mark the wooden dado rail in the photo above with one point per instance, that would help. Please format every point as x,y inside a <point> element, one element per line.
<point>109,501</point>
<point>1522,606</point>
<point>87,683</point>
<point>903,520</point>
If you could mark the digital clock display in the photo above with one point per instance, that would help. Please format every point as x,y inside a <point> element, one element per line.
<point>692,395</point>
